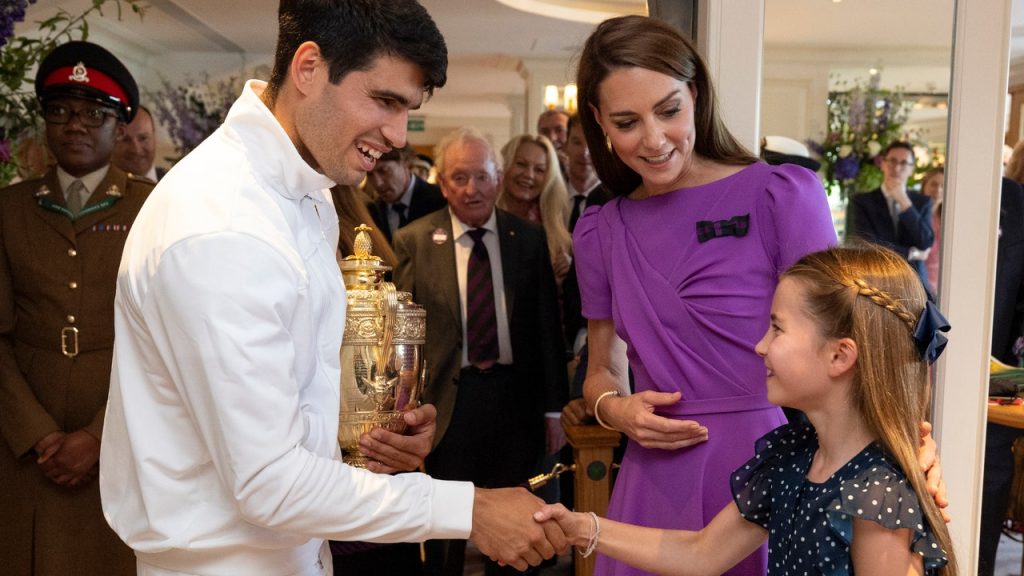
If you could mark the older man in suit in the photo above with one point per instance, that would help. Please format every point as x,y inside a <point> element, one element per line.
<point>401,196</point>
<point>494,351</point>
<point>61,238</point>
<point>895,217</point>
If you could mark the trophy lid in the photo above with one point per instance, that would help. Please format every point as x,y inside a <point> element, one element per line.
<point>362,268</point>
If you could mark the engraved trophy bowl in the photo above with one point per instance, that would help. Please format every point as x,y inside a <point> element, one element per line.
<point>382,368</point>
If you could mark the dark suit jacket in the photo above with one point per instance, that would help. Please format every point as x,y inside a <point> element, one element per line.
<point>426,198</point>
<point>427,270</point>
<point>1008,310</point>
<point>871,221</point>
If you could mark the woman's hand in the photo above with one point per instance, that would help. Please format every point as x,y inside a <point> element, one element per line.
<point>575,525</point>
<point>928,458</point>
<point>634,416</point>
<point>560,266</point>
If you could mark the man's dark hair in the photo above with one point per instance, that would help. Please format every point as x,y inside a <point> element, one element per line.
<point>899,144</point>
<point>402,155</point>
<point>351,34</point>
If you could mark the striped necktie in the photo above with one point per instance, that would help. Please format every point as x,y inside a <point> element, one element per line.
<point>481,317</point>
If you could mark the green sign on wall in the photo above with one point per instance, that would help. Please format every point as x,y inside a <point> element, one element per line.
<point>416,124</point>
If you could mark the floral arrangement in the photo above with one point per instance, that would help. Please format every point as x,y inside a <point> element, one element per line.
<point>192,111</point>
<point>862,121</point>
<point>20,55</point>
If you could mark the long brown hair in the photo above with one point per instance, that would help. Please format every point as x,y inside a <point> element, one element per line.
<point>871,295</point>
<point>642,42</point>
<point>350,205</point>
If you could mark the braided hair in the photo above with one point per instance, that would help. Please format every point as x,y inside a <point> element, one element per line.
<point>870,294</point>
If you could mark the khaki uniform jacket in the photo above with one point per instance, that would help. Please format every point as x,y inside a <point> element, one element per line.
<point>57,276</point>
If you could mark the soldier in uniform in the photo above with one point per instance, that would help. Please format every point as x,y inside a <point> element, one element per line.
<point>61,238</point>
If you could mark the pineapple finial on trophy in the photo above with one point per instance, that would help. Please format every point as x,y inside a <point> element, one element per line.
<point>363,245</point>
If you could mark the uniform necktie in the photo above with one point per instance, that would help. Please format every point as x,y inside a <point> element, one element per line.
<point>577,203</point>
<point>74,200</point>
<point>481,318</point>
<point>894,211</point>
<point>399,209</point>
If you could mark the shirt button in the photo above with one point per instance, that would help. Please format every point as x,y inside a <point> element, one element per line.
<point>73,285</point>
<point>70,319</point>
<point>72,252</point>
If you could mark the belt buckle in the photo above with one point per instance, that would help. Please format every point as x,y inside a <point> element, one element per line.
<point>69,333</point>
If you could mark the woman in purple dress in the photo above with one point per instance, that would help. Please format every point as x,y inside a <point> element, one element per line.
<point>677,275</point>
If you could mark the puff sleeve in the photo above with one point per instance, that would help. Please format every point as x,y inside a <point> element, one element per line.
<point>795,216</point>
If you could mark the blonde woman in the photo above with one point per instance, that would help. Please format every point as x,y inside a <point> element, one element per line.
<point>533,189</point>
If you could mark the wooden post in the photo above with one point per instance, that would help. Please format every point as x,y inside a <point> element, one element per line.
<point>592,448</point>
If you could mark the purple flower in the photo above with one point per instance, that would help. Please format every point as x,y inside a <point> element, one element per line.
<point>11,12</point>
<point>847,167</point>
<point>5,151</point>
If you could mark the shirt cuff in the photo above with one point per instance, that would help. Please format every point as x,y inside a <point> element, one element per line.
<point>451,510</point>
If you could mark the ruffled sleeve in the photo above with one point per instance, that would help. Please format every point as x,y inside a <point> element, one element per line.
<point>794,215</point>
<point>882,495</point>
<point>591,270</point>
<point>777,466</point>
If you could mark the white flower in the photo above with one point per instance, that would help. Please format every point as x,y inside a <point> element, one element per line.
<point>874,147</point>
<point>845,150</point>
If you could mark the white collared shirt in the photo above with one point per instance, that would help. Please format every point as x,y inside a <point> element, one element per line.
<point>463,246</point>
<point>219,452</point>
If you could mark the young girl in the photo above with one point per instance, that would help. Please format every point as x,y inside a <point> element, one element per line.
<point>849,345</point>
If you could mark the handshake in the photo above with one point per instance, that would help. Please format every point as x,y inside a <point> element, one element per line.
<point>505,529</point>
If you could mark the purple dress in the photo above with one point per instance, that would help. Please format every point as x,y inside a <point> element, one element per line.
<point>687,278</point>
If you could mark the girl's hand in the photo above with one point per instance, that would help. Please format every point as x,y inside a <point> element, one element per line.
<point>575,525</point>
<point>634,416</point>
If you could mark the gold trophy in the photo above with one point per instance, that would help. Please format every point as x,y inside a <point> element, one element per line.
<point>382,368</point>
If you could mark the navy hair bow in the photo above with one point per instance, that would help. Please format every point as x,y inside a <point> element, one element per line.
<point>928,333</point>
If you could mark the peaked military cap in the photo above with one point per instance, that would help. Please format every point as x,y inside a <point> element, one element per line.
<point>88,71</point>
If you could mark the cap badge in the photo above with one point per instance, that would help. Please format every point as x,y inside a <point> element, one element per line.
<point>114,191</point>
<point>79,73</point>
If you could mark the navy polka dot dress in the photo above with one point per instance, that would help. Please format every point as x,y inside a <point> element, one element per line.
<point>810,525</point>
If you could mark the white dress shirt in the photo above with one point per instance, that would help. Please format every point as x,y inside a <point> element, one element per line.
<point>219,451</point>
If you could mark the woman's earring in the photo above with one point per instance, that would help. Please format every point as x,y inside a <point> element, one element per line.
<point>608,143</point>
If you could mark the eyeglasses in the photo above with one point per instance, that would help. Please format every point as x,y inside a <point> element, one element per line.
<point>898,163</point>
<point>479,179</point>
<point>89,117</point>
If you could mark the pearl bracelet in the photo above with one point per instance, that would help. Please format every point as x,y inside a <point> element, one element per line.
<point>595,534</point>
<point>597,404</point>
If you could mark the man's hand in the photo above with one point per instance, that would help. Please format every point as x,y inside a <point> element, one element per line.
<point>74,462</point>
<point>575,413</point>
<point>504,528</point>
<point>554,434</point>
<point>392,452</point>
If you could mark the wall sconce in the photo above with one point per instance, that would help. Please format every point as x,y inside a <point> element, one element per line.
<point>563,97</point>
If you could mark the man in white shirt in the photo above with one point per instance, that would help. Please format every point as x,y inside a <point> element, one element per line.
<point>220,453</point>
